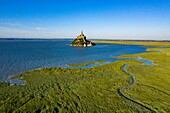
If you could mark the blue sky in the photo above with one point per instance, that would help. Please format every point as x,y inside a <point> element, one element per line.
<point>113,19</point>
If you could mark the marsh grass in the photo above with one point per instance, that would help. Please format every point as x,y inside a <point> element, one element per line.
<point>146,43</point>
<point>94,89</point>
<point>87,63</point>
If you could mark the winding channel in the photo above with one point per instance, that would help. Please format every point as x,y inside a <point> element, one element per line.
<point>130,85</point>
<point>147,62</point>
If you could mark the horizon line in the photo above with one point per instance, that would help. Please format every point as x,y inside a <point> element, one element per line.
<point>89,38</point>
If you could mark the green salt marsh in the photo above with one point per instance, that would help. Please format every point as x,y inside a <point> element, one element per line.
<point>94,89</point>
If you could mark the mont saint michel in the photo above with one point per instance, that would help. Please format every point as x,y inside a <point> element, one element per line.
<point>49,65</point>
<point>82,41</point>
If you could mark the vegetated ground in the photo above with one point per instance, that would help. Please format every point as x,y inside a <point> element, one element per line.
<point>139,42</point>
<point>94,89</point>
<point>87,63</point>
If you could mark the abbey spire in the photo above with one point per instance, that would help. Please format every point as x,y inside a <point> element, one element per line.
<point>82,32</point>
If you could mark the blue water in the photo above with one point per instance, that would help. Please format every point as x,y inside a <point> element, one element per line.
<point>18,56</point>
<point>147,62</point>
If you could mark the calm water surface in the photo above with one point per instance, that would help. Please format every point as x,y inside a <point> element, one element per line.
<point>17,56</point>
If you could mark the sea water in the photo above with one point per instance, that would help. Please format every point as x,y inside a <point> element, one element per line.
<point>18,56</point>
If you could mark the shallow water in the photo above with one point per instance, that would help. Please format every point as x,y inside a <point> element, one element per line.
<point>17,56</point>
<point>147,62</point>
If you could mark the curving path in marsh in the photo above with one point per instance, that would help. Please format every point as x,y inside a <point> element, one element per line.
<point>128,86</point>
<point>147,62</point>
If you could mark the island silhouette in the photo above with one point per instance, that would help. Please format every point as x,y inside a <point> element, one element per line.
<point>82,41</point>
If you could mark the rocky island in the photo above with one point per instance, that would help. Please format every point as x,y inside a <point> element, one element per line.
<point>81,41</point>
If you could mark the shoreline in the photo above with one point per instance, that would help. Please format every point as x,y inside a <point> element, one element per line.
<point>89,57</point>
<point>13,80</point>
<point>85,64</point>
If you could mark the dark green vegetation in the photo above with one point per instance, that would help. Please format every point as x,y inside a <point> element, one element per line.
<point>87,63</point>
<point>94,89</point>
<point>78,42</point>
